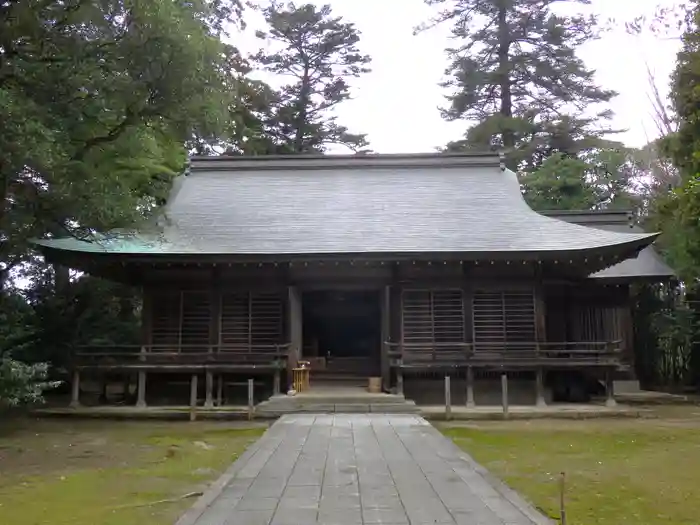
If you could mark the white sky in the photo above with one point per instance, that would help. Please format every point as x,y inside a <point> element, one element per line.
<point>396,104</point>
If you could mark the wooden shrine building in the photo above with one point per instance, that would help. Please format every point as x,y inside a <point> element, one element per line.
<point>403,267</point>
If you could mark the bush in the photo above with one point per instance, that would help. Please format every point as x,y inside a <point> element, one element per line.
<point>22,383</point>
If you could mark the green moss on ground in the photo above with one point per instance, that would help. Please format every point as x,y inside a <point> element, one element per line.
<point>636,472</point>
<point>110,473</point>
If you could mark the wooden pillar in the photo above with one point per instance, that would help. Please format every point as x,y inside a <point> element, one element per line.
<point>386,337</point>
<point>541,337</point>
<point>141,390</point>
<point>215,310</point>
<point>215,293</point>
<point>126,386</point>
<point>627,331</point>
<point>193,397</point>
<point>214,333</point>
<point>251,398</point>
<point>103,398</point>
<point>468,304</point>
<point>610,389</point>
<point>146,341</point>
<point>448,398</point>
<point>395,324</point>
<point>75,390</point>
<point>141,379</point>
<point>539,388</point>
<point>276,383</point>
<point>470,387</point>
<point>220,391</point>
<point>295,330</point>
<point>147,318</point>
<point>209,389</point>
<point>540,314</point>
<point>504,395</point>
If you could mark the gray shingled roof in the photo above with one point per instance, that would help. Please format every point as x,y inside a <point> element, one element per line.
<point>647,265</point>
<point>358,205</point>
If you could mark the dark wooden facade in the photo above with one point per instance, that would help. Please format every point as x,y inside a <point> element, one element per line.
<point>434,318</point>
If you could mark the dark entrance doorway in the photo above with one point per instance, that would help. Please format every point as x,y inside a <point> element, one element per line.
<point>342,330</point>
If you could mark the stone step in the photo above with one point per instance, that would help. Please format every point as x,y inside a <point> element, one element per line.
<point>330,399</point>
<point>350,401</point>
<point>338,380</point>
<point>264,410</point>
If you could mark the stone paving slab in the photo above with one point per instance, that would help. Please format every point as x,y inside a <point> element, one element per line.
<point>363,469</point>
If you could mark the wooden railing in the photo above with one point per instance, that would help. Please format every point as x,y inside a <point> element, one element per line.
<point>487,355</point>
<point>138,356</point>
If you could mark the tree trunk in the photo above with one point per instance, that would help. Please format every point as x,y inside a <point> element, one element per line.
<point>4,272</point>
<point>506,109</point>
<point>302,106</point>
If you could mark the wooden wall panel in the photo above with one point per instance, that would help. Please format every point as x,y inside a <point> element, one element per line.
<point>235,319</point>
<point>195,320</point>
<point>501,317</point>
<point>186,320</point>
<point>267,318</point>
<point>595,318</point>
<point>432,316</point>
<point>165,319</point>
<point>250,319</point>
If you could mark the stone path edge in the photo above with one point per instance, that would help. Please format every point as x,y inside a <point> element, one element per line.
<point>215,489</point>
<point>503,489</point>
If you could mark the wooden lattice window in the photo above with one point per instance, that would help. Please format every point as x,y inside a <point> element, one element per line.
<point>500,318</point>
<point>195,324</point>
<point>432,316</point>
<point>180,319</point>
<point>165,320</point>
<point>251,319</point>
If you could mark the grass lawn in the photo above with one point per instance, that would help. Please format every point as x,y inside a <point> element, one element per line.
<point>110,472</point>
<point>636,472</point>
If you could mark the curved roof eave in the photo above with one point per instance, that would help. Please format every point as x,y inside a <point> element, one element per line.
<point>163,249</point>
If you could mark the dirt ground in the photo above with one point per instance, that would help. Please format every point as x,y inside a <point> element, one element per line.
<point>110,472</point>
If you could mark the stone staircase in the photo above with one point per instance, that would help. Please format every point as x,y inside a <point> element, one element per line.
<point>335,399</point>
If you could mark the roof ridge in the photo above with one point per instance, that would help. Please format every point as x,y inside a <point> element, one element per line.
<point>375,160</point>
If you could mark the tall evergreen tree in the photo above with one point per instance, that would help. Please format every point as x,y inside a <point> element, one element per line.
<point>678,212</point>
<point>97,100</point>
<point>318,53</point>
<point>514,71</point>
<point>602,179</point>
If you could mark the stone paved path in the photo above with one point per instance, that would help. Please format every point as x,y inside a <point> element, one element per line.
<point>356,470</point>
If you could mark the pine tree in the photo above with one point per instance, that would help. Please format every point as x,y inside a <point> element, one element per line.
<point>318,53</point>
<point>602,179</point>
<point>514,71</point>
